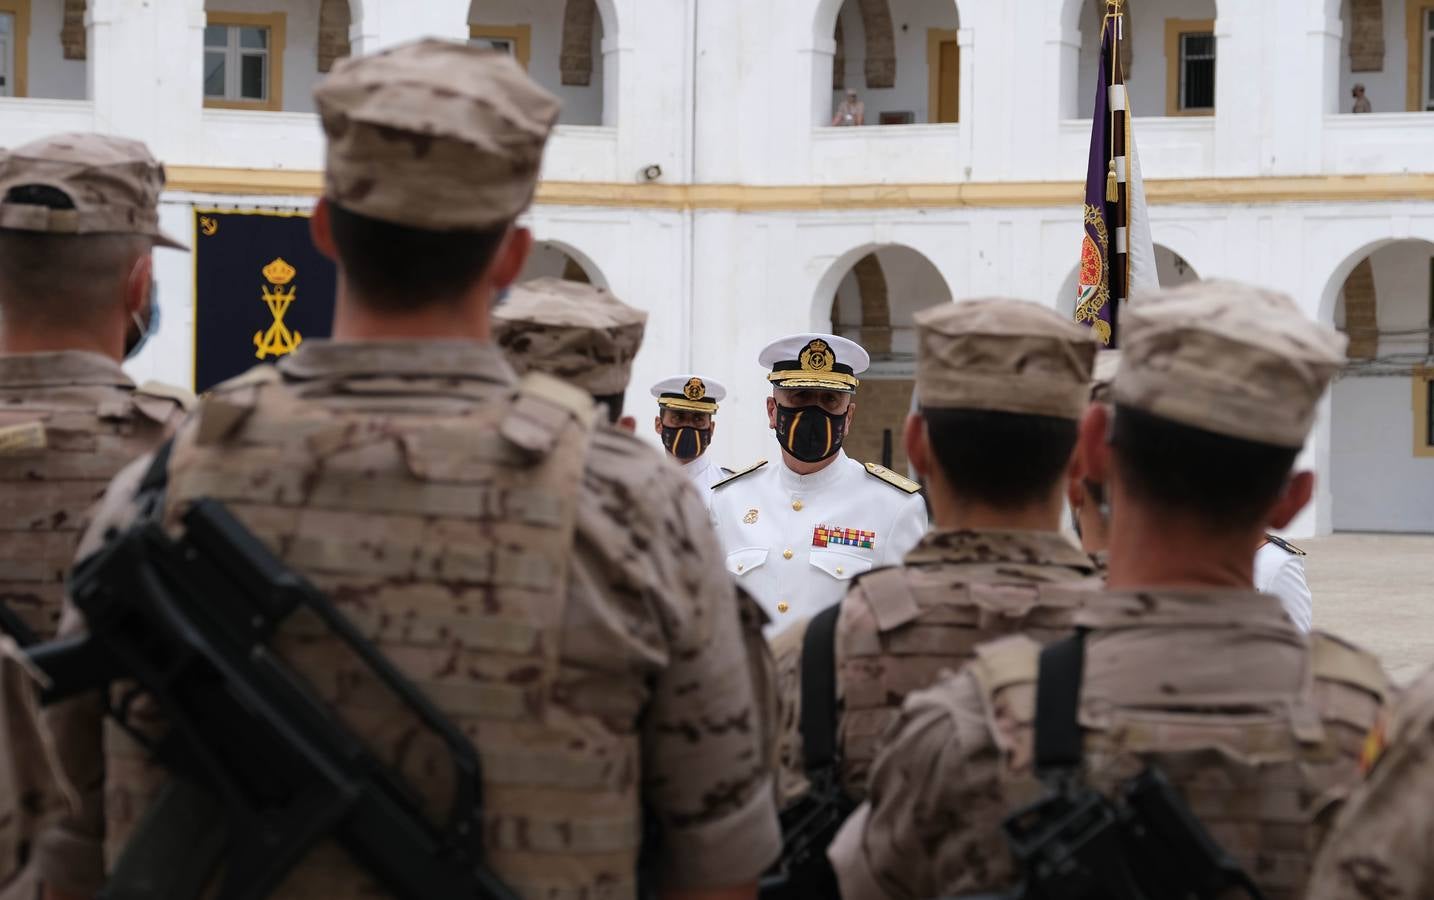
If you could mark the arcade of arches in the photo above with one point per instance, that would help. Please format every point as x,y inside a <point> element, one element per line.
<point>873,305</point>
<point>1381,444</point>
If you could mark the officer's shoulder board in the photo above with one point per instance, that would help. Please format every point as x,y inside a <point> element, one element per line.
<point>739,473</point>
<point>1284,545</point>
<point>900,482</point>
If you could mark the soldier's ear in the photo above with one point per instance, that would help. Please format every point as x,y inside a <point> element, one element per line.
<point>1093,446</point>
<point>1295,497</point>
<point>510,257</point>
<point>137,288</point>
<point>320,230</point>
<point>918,445</point>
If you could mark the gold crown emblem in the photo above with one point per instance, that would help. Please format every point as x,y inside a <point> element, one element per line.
<point>279,272</point>
<point>817,357</point>
<point>695,389</point>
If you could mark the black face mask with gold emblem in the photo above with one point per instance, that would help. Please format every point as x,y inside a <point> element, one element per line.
<point>685,442</point>
<point>810,433</point>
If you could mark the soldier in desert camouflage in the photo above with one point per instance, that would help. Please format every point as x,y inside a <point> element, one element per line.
<point>78,222</point>
<point>550,584</point>
<point>1002,384</point>
<point>1186,666</point>
<point>576,332</point>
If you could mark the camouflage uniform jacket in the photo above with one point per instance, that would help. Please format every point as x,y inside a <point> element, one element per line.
<point>1259,727</point>
<point>547,583</point>
<point>1382,845</point>
<point>900,627</point>
<point>69,420</point>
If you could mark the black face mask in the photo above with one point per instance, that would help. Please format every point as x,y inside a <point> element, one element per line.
<point>686,443</point>
<point>810,433</point>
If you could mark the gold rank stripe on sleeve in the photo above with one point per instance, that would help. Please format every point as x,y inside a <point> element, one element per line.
<point>899,482</point>
<point>739,473</point>
<point>1284,545</point>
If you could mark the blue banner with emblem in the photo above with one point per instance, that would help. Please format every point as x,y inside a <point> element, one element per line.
<point>261,289</point>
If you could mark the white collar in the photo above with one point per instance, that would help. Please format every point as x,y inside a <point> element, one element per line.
<point>827,477</point>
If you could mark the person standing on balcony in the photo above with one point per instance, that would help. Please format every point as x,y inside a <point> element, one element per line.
<point>849,112</point>
<point>797,532</point>
<point>1361,102</point>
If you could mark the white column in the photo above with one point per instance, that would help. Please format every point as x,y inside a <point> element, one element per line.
<point>1242,128</point>
<point>146,72</point>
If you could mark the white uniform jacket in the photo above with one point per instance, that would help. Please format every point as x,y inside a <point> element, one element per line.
<point>1282,573</point>
<point>795,541</point>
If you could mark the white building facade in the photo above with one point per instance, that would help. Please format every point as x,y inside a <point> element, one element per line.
<point>696,174</point>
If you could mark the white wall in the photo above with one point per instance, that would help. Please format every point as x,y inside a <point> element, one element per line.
<point>51,75</point>
<point>1385,89</point>
<point>1146,81</point>
<point>582,105</point>
<point>909,21</point>
<point>1377,482</point>
<point>301,44</point>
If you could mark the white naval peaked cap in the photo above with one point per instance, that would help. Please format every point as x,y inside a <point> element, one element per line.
<point>821,361</point>
<point>690,392</point>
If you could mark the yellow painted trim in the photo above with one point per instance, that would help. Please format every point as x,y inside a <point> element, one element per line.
<point>1414,58</point>
<point>277,24</point>
<point>1173,29</point>
<point>774,198</point>
<point>935,37</point>
<point>1422,384</point>
<point>21,10</point>
<point>520,35</point>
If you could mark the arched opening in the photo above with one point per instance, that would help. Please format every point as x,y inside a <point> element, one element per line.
<point>1385,51</point>
<point>1382,405</point>
<point>875,299</point>
<point>1169,57</point>
<point>43,49</point>
<point>896,62</point>
<point>559,42</point>
<point>269,54</point>
<point>552,259</point>
<point>1170,267</point>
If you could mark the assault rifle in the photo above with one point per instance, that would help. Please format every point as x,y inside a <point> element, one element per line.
<point>262,769</point>
<point>809,825</point>
<point>1077,844</point>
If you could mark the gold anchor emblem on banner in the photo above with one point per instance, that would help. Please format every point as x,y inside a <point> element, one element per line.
<point>278,340</point>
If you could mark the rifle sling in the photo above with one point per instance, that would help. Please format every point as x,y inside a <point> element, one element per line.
<point>819,700</point>
<point>1059,744</point>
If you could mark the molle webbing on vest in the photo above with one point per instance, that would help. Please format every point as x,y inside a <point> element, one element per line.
<point>1259,775</point>
<point>61,446</point>
<point>901,627</point>
<point>444,531</point>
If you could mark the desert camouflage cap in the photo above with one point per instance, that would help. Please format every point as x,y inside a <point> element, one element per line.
<point>573,331</point>
<point>1003,355</point>
<point>434,135</point>
<point>112,182</point>
<point>1227,358</point>
<point>1107,363</point>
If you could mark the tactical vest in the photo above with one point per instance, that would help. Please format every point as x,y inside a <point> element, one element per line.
<point>1264,779</point>
<point>444,532</point>
<point>60,444</point>
<point>897,633</point>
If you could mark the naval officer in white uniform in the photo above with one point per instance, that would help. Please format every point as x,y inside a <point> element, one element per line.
<point>797,530</point>
<point>686,419</point>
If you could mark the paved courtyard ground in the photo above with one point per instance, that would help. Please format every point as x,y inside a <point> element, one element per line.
<point>1378,591</point>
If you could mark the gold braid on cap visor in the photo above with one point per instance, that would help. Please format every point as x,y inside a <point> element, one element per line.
<point>799,378</point>
<point>677,401</point>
